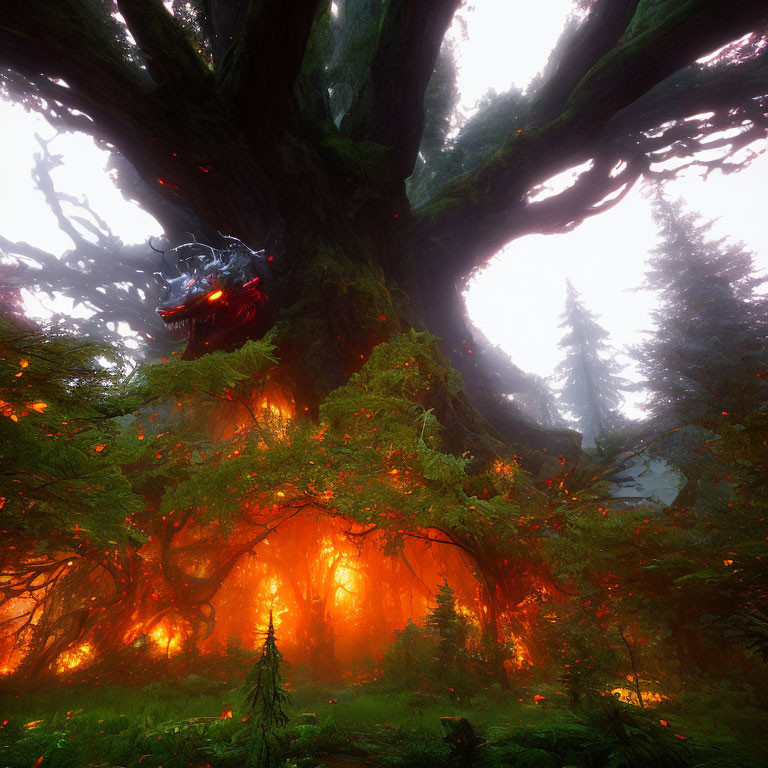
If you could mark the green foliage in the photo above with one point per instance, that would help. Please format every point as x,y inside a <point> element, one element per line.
<point>179,459</point>
<point>315,740</point>
<point>440,658</point>
<point>378,456</point>
<point>685,585</point>
<point>59,405</point>
<point>497,118</point>
<point>409,659</point>
<point>649,13</point>
<point>726,538</point>
<point>266,695</point>
<point>440,100</point>
<point>211,374</point>
<point>387,441</point>
<point>119,726</point>
<point>266,698</point>
<point>610,735</point>
<point>451,629</point>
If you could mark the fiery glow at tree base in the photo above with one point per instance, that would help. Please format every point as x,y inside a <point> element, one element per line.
<point>336,594</point>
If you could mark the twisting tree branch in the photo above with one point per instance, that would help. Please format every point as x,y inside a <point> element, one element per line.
<point>470,216</point>
<point>70,41</point>
<point>605,24</point>
<point>171,60</point>
<point>389,109</point>
<point>113,280</point>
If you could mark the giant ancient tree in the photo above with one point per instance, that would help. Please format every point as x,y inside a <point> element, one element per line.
<point>295,127</point>
<point>301,128</point>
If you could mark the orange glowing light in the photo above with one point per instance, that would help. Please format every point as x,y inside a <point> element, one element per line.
<point>7,409</point>
<point>216,295</point>
<point>630,696</point>
<point>344,578</point>
<point>74,658</point>
<point>275,410</point>
<point>165,639</point>
<point>468,613</point>
<point>320,581</point>
<point>272,411</point>
<point>226,714</point>
<point>502,468</point>
<point>521,656</point>
<point>269,604</point>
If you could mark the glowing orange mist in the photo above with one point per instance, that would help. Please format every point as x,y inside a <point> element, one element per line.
<point>75,657</point>
<point>335,596</point>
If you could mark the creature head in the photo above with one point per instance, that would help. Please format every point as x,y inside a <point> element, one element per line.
<point>219,296</point>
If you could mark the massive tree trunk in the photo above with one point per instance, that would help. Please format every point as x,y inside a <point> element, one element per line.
<point>347,272</point>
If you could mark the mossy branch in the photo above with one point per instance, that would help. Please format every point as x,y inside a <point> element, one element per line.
<point>478,213</point>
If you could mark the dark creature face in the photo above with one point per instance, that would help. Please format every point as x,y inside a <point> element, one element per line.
<point>219,298</point>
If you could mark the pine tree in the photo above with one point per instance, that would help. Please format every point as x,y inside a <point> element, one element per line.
<point>709,353</point>
<point>590,388</point>
<point>450,628</point>
<point>538,402</point>
<point>266,698</point>
<point>406,660</point>
<point>58,413</point>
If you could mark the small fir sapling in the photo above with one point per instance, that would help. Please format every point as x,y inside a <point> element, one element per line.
<point>266,698</point>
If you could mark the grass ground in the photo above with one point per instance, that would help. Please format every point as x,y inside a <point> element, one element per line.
<point>188,723</point>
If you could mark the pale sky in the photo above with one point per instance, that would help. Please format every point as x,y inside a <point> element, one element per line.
<point>518,298</point>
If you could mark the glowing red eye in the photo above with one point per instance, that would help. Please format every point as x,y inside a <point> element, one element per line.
<point>216,295</point>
